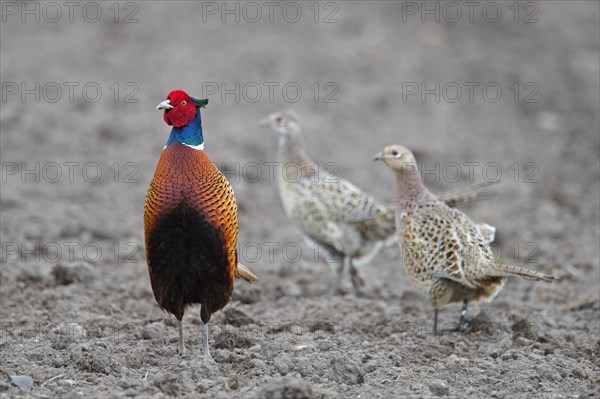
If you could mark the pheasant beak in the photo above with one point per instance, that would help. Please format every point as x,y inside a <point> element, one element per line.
<point>379,156</point>
<point>164,105</point>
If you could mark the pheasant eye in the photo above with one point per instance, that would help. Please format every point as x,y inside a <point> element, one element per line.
<point>395,153</point>
<point>184,102</point>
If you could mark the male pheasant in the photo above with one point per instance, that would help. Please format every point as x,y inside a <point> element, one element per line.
<point>190,221</point>
<point>446,255</point>
<point>330,211</point>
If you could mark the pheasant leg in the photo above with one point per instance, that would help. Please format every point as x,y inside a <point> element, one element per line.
<point>462,325</point>
<point>182,349</point>
<point>338,276</point>
<point>357,281</point>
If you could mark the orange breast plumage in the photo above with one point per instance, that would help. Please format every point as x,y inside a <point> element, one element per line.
<point>191,227</point>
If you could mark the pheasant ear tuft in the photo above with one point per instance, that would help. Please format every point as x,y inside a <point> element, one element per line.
<point>200,103</point>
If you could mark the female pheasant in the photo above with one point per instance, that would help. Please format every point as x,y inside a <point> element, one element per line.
<point>446,255</point>
<point>332,212</point>
<point>190,221</point>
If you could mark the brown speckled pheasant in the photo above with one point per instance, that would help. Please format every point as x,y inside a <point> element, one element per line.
<point>332,212</point>
<point>190,222</point>
<point>446,255</point>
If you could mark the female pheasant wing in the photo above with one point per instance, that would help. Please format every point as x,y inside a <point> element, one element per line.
<point>449,243</point>
<point>311,217</point>
<point>346,203</point>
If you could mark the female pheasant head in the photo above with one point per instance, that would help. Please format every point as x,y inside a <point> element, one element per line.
<point>283,122</point>
<point>410,190</point>
<point>399,158</point>
<point>183,113</point>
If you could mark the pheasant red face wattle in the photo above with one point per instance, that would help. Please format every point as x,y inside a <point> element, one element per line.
<point>183,111</point>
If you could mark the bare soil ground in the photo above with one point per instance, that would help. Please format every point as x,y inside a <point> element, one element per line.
<point>77,310</point>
